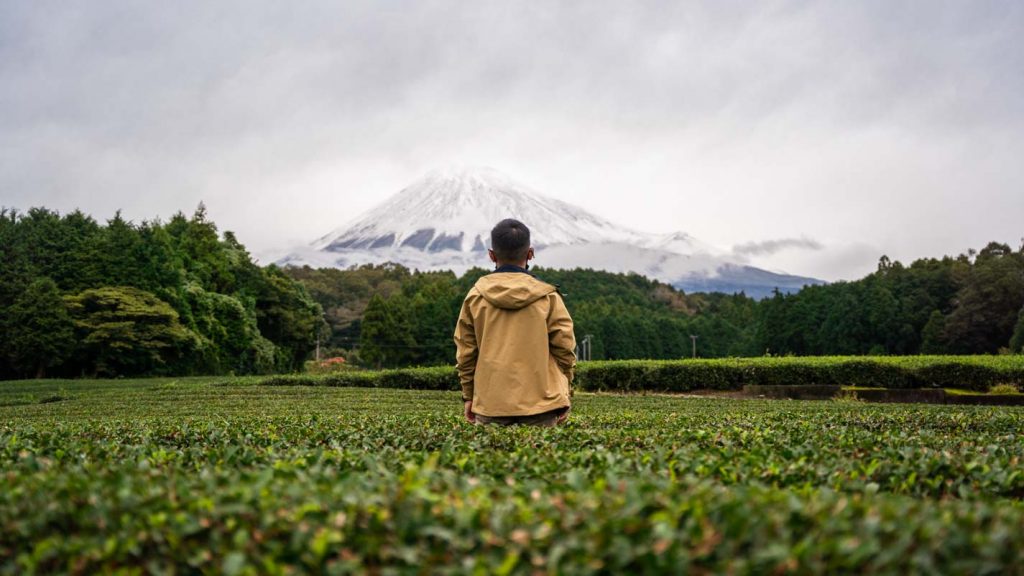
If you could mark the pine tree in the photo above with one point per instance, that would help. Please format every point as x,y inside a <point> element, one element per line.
<point>385,339</point>
<point>119,250</point>
<point>933,336</point>
<point>433,322</point>
<point>38,328</point>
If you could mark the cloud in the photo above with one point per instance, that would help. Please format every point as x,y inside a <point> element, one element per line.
<point>852,122</point>
<point>769,247</point>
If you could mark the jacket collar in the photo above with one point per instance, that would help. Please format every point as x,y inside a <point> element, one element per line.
<point>512,268</point>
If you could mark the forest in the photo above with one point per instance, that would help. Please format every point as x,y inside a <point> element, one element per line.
<point>81,298</point>
<point>389,316</point>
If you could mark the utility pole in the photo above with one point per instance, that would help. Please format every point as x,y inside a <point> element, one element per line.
<point>583,348</point>
<point>319,330</point>
<point>693,340</point>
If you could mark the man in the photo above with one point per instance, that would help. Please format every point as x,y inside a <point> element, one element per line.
<point>515,344</point>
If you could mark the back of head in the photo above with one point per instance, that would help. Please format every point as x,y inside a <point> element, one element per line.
<point>510,240</point>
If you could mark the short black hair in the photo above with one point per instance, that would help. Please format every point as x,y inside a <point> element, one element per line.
<point>510,240</point>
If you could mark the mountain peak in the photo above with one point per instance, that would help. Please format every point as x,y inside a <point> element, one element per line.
<point>454,208</point>
<point>443,220</point>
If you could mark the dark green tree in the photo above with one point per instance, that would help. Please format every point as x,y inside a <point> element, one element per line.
<point>118,253</point>
<point>386,339</point>
<point>1017,340</point>
<point>288,317</point>
<point>38,329</point>
<point>933,336</point>
<point>432,327</point>
<point>988,304</point>
<point>127,331</point>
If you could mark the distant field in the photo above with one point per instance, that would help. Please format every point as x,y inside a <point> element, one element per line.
<point>224,475</point>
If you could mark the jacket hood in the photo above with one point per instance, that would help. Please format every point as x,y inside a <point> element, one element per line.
<point>512,290</point>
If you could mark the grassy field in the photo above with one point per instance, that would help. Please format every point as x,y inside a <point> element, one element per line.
<point>223,475</point>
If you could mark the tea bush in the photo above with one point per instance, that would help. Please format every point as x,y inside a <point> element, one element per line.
<point>225,476</point>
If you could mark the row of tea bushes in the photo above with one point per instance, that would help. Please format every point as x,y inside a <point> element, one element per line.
<point>977,373</point>
<point>301,519</point>
<point>218,476</point>
<point>432,378</point>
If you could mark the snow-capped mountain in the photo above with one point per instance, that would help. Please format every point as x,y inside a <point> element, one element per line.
<point>454,209</point>
<point>443,221</point>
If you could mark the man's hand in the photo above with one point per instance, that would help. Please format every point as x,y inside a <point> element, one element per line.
<point>469,412</point>
<point>564,416</point>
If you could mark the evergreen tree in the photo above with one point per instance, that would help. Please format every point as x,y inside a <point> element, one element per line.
<point>882,308</point>
<point>386,340</point>
<point>933,336</point>
<point>288,317</point>
<point>988,304</point>
<point>118,254</point>
<point>39,332</point>
<point>432,327</point>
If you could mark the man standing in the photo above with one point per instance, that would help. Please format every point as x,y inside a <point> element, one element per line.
<point>514,338</point>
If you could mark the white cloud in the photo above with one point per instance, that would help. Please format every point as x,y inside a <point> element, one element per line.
<point>769,247</point>
<point>872,126</point>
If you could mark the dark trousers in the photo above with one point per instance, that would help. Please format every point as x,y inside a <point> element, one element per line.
<point>543,419</point>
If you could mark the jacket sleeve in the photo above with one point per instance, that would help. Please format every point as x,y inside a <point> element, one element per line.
<point>561,339</point>
<point>465,350</point>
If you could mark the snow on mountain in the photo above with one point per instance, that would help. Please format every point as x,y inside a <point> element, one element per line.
<point>455,209</point>
<point>443,221</point>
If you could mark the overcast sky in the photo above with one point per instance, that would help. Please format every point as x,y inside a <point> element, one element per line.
<point>810,137</point>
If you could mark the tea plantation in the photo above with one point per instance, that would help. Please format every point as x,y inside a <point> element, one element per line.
<point>224,475</point>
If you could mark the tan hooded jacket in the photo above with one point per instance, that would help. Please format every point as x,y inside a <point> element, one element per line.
<point>515,346</point>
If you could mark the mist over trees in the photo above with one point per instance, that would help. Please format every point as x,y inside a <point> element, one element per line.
<point>79,298</point>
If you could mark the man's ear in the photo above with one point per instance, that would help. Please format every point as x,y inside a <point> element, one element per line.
<point>490,254</point>
<point>529,254</point>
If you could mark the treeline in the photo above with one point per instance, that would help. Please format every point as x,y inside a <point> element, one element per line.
<point>386,315</point>
<point>78,298</point>
<point>389,316</point>
<point>969,304</point>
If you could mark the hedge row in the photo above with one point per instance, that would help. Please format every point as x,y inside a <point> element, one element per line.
<point>973,373</point>
<point>977,373</point>
<point>433,378</point>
